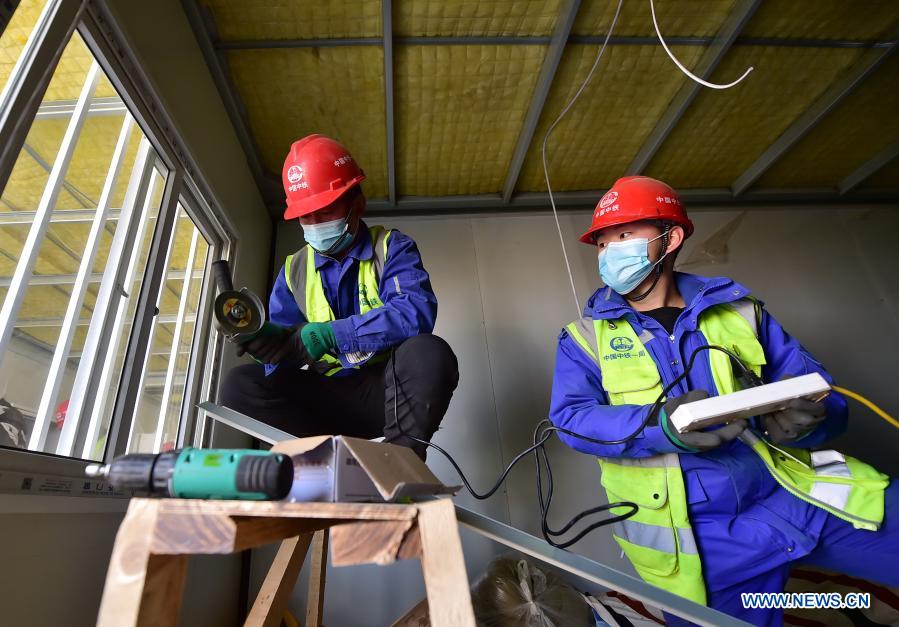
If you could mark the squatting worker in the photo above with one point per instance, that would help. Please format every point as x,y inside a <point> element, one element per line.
<point>728,509</point>
<point>356,305</point>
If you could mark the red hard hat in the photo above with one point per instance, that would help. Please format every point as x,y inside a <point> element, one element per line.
<point>317,171</point>
<point>635,198</point>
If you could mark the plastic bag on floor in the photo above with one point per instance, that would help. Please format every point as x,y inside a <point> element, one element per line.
<point>516,593</point>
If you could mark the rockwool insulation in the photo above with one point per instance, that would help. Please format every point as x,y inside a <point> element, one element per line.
<point>723,132</point>
<point>459,111</point>
<point>599,137</point>
<point>677,18</point>
<point>862,125</point>
<point>474,18</point>
<point>295,19</point>
<point>289,93</point>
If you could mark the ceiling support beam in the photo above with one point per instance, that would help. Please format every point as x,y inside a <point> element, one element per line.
<point>827,102</point>
<point>541,91</point>
<point>720,197</point>
<point>713,55</point>
<point>387,27</point>
<point>217,62</point>
<point>869,167</point>
<point>541,40</point>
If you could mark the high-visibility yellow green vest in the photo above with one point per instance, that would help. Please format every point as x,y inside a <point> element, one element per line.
<point>305,283</point>
<point>658,539</point>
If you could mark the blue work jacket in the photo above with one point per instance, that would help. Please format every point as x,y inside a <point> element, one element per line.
<point>730,494</point>
<point>410,306</point>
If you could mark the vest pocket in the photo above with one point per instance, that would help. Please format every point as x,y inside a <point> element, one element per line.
<point>648,538</point>
<point>638,387</point>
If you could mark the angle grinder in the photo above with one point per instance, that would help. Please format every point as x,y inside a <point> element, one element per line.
<point>240,315</point>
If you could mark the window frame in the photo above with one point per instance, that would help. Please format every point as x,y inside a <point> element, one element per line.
<point>184,184</point>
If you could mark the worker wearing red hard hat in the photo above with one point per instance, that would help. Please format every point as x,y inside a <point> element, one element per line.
<point>355,306</point>
<point>724,510</point>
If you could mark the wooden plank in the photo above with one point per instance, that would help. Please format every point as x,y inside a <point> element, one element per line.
<point>163,589</point>
<point>443,565</point>
<point>377,542</point>
<point>279,583</point>
<point>417,616</point>
<point>280,509</point>
<point>253,532</point>
<point>196,533</point>
<point>315,603</point>
<point>127,573</point>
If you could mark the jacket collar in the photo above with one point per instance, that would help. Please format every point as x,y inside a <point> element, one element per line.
<point>360,250</point>
<point>699,293</point>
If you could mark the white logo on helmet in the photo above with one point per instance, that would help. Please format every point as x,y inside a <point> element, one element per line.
<point>295,174</point>
<point>608,199</point>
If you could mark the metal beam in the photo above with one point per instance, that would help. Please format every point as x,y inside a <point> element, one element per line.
<point>541,91</point>
<point>111,105</point>
<point>540,40</point>
<point>869,167</point>
<point>578,565</point>
<point>59,361</point>
<point>594,572</point>
<point>587,199</point>
<point>217,62</point>
<point>387,22</point>
<point>51,322</point>
<point>19,218</point>
<point>30,77</point>
<point>28,259</point>
<point>176,344</point>
<point>96,277</point>
<point>827,102</point>
<point>716,51</point>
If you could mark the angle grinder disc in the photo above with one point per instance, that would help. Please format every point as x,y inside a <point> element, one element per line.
<point>239,313</point>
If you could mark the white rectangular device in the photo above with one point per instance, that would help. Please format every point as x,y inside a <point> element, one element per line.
<point>749,402</point>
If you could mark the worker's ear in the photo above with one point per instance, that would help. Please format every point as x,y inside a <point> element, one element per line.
<point>676,237</point>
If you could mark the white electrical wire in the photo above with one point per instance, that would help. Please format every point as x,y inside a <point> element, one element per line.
<point>552,202</point>
<point>680,65</point>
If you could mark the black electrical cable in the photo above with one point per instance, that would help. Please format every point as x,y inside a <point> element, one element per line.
<point>542,433</point>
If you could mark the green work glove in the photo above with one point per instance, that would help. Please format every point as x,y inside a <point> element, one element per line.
<point>318,338</point>
<point>700,440</point>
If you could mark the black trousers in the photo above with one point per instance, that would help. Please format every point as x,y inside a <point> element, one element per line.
<point>361,404</point>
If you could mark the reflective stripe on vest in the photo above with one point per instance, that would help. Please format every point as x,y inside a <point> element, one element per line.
<point>305,283</point>
<point>842,485</point>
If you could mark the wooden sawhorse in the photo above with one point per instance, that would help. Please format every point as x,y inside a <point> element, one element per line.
<point>145,581</point>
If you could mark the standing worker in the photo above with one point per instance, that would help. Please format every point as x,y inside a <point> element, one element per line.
<point>713,521</point>
<point>356,311</point>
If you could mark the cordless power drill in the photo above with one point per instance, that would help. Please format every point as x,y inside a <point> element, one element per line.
<point>193,473</point>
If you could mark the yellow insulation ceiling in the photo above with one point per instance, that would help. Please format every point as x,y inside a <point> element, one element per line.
<point>599,137</point>
<point>824,19</point>
<point>336,91</point>
<point>865,123</point>
<point>459,109</point>
<point>294,19</point>
<point>723,132</point>
<point>15,36</point>
<point>677,18</point>
<point>470,18</point>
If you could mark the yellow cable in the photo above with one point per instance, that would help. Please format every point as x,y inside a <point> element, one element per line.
<point>861,399</point>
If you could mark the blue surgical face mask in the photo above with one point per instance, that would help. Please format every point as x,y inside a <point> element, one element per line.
<point>329,237</point>
<point>624,265</point>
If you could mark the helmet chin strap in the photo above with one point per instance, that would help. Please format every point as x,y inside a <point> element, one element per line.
<point>657,271</point>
